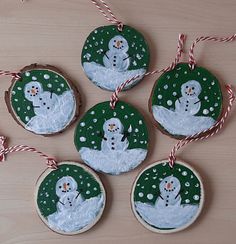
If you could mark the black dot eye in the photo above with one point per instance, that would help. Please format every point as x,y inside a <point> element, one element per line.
<point>114,40</point>
<point>68,184</point>
<point>186,86</point>
<point>60,187</point>
<point>121,41</point>
<point>32,86</point>
<point>193,88</point>
<point>166,181</point>
<point>171,182</point>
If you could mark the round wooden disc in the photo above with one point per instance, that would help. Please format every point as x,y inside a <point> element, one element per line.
<point>110,57</point>
<point>112,141</point>
<point>43,101</point>
<point>184,102</point>
<point>71,199</point>
<point>166,200</point>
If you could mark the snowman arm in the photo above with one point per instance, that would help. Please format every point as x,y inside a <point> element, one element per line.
<point>126,134</point>
<point>181,191</point>
<point>61,202</point>
<point>198,101</point>
<point>100,134</point>
<point>126,58</point>
<point>78,193</point>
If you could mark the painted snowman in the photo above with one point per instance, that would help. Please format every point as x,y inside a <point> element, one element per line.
<point>116,57</point>
<point>69,197</point>
<point>114,138</point>
<point>44,102</point>
<point>169,192</point>
<point>189,103</point>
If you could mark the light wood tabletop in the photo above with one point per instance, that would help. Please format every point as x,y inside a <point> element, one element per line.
<point>53,32</point>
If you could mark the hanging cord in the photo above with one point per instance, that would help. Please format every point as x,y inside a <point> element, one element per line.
<point>114,97</point>
<point>206,133</point>
<point>51,163</point>
<point>107,13</point>
<point>192,61</point>
<point>9,73</point>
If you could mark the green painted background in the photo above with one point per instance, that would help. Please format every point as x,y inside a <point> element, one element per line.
<point>22,107</point>
<point>149,180</point>
<point>211,96</point>
<point>47,198</point>
<point>99,38</point>
<point>92,123</point>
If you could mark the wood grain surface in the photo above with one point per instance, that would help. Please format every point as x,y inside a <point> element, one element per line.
<point>53,32</point>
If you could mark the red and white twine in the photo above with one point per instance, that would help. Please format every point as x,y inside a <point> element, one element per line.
<point>192,61</point>
<point>51,163</point>
<point>9,73</point>
<point>206,133</point>
<point>114,97</point>
<point>106,11</point>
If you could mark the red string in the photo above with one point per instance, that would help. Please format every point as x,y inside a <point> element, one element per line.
<point>192,61</point>
<point>206,133</point>
<point>9,73</point>
<point>114,97</point>
<point>51,163</point>
<point>100,4</point>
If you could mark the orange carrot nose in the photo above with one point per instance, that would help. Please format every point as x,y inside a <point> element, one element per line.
<point>190,90</point>
<point>111,126</point>
<point>65,186</point>
<point>168,185</point>
<point>33,91</point>
<point>118,43</point>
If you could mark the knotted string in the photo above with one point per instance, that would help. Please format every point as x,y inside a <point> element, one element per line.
<point>206,133</point>
<point>192,61</point>
<point>9,73</point>
<point>107,13</point>
<point>51,163</point>
<point>114,97</point>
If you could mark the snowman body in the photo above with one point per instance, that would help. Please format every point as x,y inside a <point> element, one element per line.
<point>116,57</point>
<point>169,193</point>
<point>69,202</point>
<point>189,103</point>
<point>114,139</point>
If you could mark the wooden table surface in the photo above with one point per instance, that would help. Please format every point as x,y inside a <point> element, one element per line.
<point>53,32</point>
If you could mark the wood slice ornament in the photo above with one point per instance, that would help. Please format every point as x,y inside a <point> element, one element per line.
<point>71,199</point>
<point>166,199</point>
<point>43,100</point>
<point>115,53</point>
<point>184,101</point>
<point>112,141</point>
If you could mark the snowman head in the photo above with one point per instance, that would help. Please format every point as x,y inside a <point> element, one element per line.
<point>170,184</point>
<point>113,126</point>
<point>118,43</point>
<point>32,90</point>
<point>191,89</point>
<point>45,103</point>
<point>64,185</point>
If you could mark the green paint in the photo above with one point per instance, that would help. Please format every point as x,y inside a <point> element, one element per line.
<point>211,96</point>
<point>92,123</point>
<point>22,107</point>
<point>47,198</point>
<point>97,44</point>
<point>151,178</point>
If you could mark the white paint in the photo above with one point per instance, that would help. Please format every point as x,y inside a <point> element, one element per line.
<point>114,139</point>
<point>113,162</point>
<point>110,79</point>
<point>52,112</point>
<point>116,57</point>
<point>74,216</point>
<point>189,103</point>
<point>167,212</point>
<point>181,124</point>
